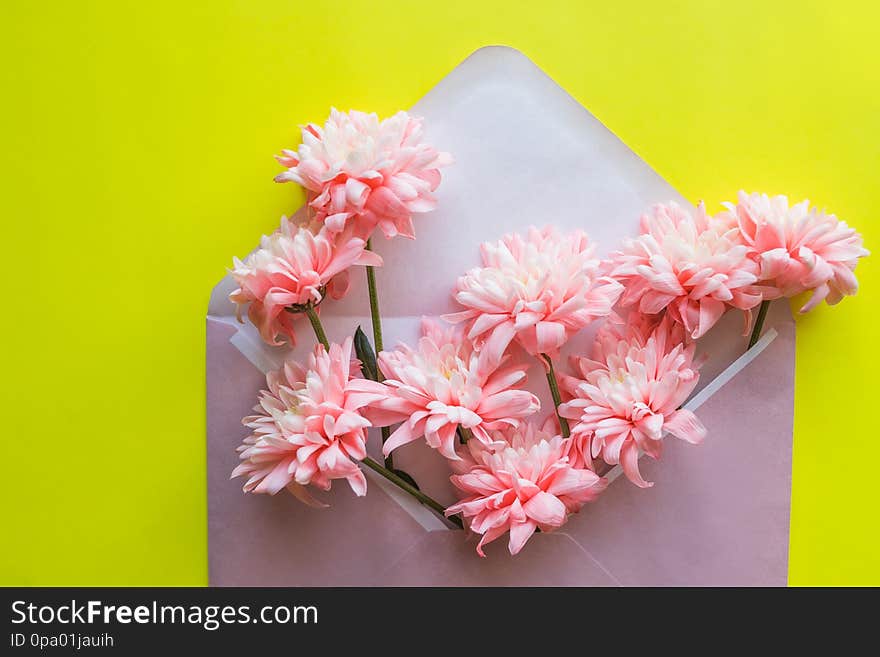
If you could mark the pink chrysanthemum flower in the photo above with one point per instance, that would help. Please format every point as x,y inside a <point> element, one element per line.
<point>629,395</point>
<point>308,427</point>
<point>445,384</point>
<point>692,266</point>
<point>374,173</point>
<point>539,289</point>
<point>798,248</point>
<point>293,267</point>
<point>523,484</point>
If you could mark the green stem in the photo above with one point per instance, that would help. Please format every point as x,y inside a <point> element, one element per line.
<point>386,434</point>
<point>374,306</point>
<point>317,326</point>
<point>759,323</point>
<point>378,346</point>
<point>557,398</point>
<point>464,434</point>
<point>415,492</point>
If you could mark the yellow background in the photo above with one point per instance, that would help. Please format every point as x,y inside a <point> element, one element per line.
<point>137,144</point>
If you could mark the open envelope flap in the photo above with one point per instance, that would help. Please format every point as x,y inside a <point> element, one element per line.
<point>526,153</point>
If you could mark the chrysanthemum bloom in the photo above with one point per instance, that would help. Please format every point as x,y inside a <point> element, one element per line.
<point>539,289</point>
<point>629,395</point>
<point>444,384</point>
<point>525,484</point>
<point>309,428</point>
<point>268,457</point>
<point>692,266</point>
<point>798,248</point>
<point>359,169</point>
<point>293,267</point>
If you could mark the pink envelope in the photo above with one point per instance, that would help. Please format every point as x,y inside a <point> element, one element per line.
<point>526,153</point>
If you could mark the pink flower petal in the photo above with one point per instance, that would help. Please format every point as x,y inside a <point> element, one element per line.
<point>519,534</point>
<point>629,461</point>
<point>685,425</point>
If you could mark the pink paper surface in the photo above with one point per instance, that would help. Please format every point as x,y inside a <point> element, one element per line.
<point>526,153</point>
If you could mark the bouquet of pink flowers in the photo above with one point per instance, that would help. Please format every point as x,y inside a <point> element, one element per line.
<point>461,387</point>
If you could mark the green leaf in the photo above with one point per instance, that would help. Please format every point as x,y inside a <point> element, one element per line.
<point>366,355</point>
<point>407,478</point>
